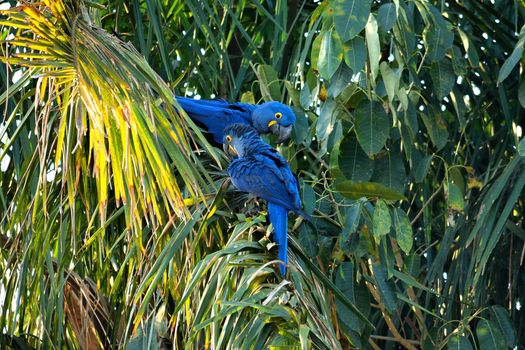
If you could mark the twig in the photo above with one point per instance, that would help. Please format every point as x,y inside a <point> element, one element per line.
<point>386,317</point>
<point>426,204</point>
<point>382,337</point>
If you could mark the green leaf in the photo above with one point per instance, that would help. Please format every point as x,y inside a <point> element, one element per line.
<point>339,81</point>
<point>386,17</point>
<point>512,61</point>
<point>355,54</point>
<point>391,80</point>
<point>382,220</point>
<point>521,93</point>
<point>500,317</point>
<point>344,280</point>
<point>389,170</point>
<point>352,219</point>
<point>521,147</point>
<point>247,97</point>
<point>438,39</point>
<point>325,121</point>
<point>356,190</point>
<point>308,240</point>
<point>436,128</point>
<point>422,169</point>
<point>455,198</point>
<point>372,127</point>
<point>489,336</point>
<point>350,17</point>
<point>269,83</point>
<point>443,77</point>
<point>309,199</point>
<point>316,49</point>
<point>352,161</point>
<point>458,342</point>
<point>403,230</point>
<point>386,291</point>
<point>373,45</point>
<point>330,54</point>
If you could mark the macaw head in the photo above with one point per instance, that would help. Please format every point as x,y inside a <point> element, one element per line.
<point>274,117</point>
<point>239,139</point>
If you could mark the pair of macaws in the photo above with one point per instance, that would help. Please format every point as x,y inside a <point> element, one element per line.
<point>257,168</point>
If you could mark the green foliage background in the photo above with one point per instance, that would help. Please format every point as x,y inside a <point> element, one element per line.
<point>117,229</point>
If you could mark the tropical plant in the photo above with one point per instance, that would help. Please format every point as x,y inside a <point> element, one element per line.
<point>119,229</point>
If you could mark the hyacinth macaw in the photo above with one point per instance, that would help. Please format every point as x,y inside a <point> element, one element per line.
<point>259,169</point>
<point>216,115</point>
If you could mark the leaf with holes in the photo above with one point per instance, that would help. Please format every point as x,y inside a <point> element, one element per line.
<point>403,230</point>
<point>382,220</point>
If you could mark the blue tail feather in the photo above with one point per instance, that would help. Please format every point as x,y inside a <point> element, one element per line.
<point>279,219</point>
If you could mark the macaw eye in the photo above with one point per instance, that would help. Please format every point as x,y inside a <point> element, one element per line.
<point>228,138</point>
<point>278,115</point>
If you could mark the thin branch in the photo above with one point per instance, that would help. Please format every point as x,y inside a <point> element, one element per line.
<point>426,204</point>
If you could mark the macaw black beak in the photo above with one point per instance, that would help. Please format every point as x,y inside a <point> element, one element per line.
<point>230,150</point>
<point>282,132</point>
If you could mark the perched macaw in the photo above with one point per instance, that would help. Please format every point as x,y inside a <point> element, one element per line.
<point>259,169</point>
<point>216,115</point>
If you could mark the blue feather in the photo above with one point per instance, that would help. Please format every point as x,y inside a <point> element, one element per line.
<point>261,170</point>
<point>216,115</point>
<point>279,219</point>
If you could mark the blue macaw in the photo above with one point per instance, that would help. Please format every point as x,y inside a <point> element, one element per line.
<point>216,115</point>
<point>261,170</point>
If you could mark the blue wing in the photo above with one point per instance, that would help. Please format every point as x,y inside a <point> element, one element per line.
<point>267,178</point>
<point>216,115</point>
<point>279,219</point>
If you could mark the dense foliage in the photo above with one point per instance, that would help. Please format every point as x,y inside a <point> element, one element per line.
<point>118,228</point>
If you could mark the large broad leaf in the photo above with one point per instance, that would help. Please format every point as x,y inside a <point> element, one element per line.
<point>511,62</point>
<point>330,54</point>
<point>382,220</point>
<point>458,342</point>
<point>355,54</point>
<point>443,77</point>
<point>356,190</point>
<point>352,161</point>
<point>386,291</point>
<point>436,128</point>
<point>455,197</point>
<point>386,17</point>
<point>316,48</point>
<point>403,230</point>
<point>350,17</point>
<point>373,45</point>
<point>389,170</point>
<point>422,168</point>
<point>500,317</point>
<point>339,81</point>
<point>438,37</point>
<point>521,147</point>
<point>391,79</point>
<point>372,127</point>
<point>325,121</point>
<point>345,281</point>
<point>489,336</point>
<point>521,93</point>
<point>269,83</point>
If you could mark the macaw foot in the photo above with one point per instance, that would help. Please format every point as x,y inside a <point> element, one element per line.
<point>254,207</point>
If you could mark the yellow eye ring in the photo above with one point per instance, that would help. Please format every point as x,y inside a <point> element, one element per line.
<point>278,115</point>
<point>228,138</point>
